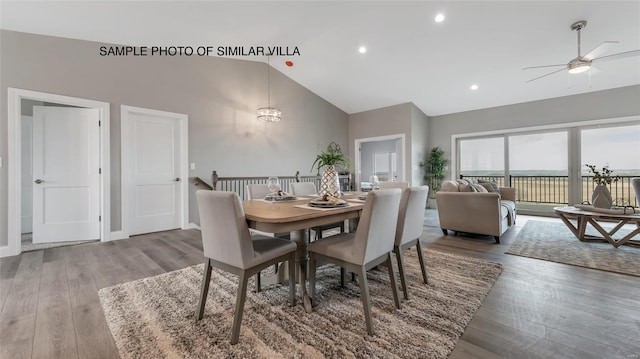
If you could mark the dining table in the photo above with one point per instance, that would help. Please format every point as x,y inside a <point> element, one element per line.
<point>296,217</point>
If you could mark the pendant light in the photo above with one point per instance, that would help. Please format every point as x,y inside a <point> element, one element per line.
<point>269,114</point>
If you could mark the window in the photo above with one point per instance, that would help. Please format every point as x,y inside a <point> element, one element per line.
<point>616,147</point>
<point>547,168</point>
<point>538,167</point>
<point>483,158</point>
<point>384,166</point>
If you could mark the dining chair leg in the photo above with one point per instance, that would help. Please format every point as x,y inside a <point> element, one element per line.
<point>425,278</point>
<point>237,315</point>
<point>403,277</point>
<point>392,277</point>
<point>366,299</point>
<point>342,274</point>
<point>258,282</point>
<point>292,278</point>
<point>204,288</point>
<point>312,278</point>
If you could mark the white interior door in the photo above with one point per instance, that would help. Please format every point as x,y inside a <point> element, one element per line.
<point>26,176</point>
<point>66,173</point>
<point>155,170</point>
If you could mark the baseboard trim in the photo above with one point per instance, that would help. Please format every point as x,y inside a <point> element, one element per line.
<point>118,235</point>
<point>192,226</point>
<point>7,251</point>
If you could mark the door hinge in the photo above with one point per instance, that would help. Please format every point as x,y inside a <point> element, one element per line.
<point>99,218</point>
<point>99,123</point>
<point>99,170</point>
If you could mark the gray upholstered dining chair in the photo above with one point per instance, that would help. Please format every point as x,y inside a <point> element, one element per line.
<point>303,189</point>
<point>308,188</point>
<point>257,191</point>
<point>260,191</point>
<point>228,246</point>
<point>409,230</point>
<point>393,184</point>
<point>371,245</point>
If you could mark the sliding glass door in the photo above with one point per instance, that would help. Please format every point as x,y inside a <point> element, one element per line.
<point>619,149</point>
<point>547,168</point>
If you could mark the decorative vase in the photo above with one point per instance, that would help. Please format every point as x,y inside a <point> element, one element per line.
<point>601,197</point>
<point>330,182</point>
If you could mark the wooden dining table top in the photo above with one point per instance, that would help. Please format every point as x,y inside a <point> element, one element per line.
<point>284,216</point>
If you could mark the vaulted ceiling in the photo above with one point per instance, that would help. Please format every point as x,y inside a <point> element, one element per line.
<point>409,58</point>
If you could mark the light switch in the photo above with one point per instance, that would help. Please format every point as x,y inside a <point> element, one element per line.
<point>193,165</point>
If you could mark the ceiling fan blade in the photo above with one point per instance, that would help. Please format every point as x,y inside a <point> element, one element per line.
<point>600,49</point>
<point>620,55</point>
<point>550,73</point>
<point>539,67</point>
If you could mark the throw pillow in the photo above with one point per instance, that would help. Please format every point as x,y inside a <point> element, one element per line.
<point>479,188</point>
<point>487,184</point>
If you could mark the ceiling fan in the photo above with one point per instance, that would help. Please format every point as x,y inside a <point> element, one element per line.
<point>583,63</point>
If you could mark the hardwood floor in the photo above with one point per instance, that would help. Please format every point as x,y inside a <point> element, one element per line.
<point>537,309</point>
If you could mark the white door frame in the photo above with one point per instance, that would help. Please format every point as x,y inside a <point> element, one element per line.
<point>127,152</point>
<point>360,141</point>
<point>15,96</point>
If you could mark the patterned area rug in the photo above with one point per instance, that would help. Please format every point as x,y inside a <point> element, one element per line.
<point>154,317</point>
<point>554,242</point>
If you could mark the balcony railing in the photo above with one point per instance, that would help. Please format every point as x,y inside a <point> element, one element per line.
<point>555,189</point>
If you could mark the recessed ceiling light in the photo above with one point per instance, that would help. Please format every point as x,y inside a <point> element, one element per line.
<point>474,87</point>
<point>362,49</point>
<point>440,17</point>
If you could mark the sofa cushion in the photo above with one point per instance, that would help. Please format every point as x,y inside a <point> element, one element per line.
<point>449,186</point>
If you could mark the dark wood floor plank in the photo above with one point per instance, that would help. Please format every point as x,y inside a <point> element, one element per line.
<point>22,299</point>
<point>5,288</point>
<point>53,254</point>
<point>9,266</point>
<point>105,274</point>
<point>55,333</point>
<point>30,265</point>
<point>17,350</point>
<point>466,350</point>
<point>17,331</point>
<point>92,332</point>
<point>54,289</point>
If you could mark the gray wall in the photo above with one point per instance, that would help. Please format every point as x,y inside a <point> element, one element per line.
<point>404,119</point>
<point>619,102</point>
<point>419,144</point>
<point>219,95</point>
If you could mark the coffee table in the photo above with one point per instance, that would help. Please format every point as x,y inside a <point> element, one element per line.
<point>592,217</point>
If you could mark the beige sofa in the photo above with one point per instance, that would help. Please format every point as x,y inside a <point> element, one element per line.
<point>462,210</point>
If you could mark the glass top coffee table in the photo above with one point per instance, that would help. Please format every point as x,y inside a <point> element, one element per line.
<point>584,217</point>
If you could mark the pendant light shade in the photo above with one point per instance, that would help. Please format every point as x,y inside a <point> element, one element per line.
<point>269,114</point>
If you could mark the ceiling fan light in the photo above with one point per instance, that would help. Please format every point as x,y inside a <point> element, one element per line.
<point>579,67</point>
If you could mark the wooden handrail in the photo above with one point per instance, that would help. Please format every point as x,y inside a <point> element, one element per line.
<point>238,184</point>
<point>197,181</point>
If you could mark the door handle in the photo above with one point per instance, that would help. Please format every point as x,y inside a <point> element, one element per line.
<point>177,179</point>
<point>38,181</point>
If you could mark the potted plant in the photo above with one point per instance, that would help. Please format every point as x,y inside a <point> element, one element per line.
<point>601,197</point>
<point>434,169</point>
<point>333,156</point>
